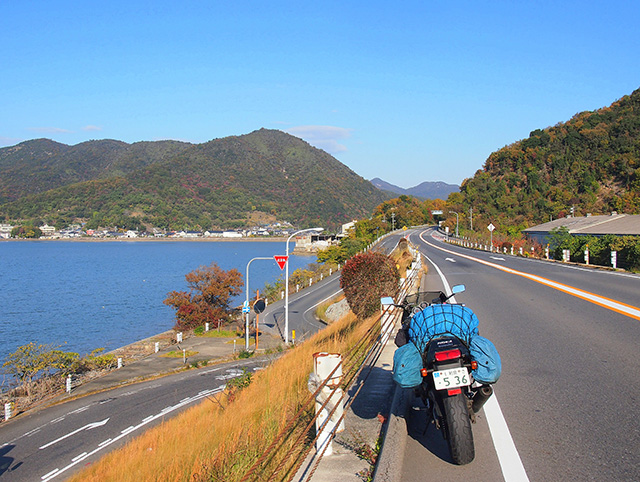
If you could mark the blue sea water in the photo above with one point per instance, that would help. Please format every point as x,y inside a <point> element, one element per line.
<point>86,295</point>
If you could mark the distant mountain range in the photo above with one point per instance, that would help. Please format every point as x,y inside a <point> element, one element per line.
<point>425,190</point>
<point>236,181</point>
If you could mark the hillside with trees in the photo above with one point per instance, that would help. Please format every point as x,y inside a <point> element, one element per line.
<point>217,184</point>
<point>590,163</point>
<point>41,164</point>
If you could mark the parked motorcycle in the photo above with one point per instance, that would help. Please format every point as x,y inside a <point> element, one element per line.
<point>440,338</point>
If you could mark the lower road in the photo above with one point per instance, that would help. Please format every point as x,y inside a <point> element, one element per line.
<point>52,444</point>
<point>567,401</point>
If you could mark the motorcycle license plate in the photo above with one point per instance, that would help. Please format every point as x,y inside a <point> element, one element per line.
<point>452,378</point>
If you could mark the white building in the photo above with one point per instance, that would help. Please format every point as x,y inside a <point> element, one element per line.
<point>5,231</point>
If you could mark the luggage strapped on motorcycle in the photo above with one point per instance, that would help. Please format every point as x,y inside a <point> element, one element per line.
<point>441,320</point>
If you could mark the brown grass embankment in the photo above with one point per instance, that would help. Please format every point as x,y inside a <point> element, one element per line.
<point>221,439</point>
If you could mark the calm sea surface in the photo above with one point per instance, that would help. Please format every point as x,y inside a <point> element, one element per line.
<point>109,294</point>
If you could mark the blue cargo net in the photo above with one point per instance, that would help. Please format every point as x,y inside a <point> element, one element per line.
<point>441,320</point>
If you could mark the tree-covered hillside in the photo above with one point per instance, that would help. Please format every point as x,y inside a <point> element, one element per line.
<point>591,163</point>
<point>41,164</point>
<point>214,184</point>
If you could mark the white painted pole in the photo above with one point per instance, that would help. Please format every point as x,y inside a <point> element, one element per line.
<point>68,383</point>
<point>157,347</point>
<point>7,410</point>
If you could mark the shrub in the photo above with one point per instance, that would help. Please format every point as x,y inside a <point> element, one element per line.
<point>365,279</point>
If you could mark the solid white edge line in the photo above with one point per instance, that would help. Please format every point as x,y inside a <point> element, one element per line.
<point>508,457</point>
<point>510,462</point>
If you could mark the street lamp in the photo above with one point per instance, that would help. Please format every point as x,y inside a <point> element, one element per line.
<point>246,305</point>
<point>456,221</point>
<point>286,284</point>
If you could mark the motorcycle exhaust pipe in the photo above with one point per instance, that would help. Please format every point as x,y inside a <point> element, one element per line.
<point>481,396</point>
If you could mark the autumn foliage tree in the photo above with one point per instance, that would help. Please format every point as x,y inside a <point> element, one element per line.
<point>210,292</point>
<point>365,279</point>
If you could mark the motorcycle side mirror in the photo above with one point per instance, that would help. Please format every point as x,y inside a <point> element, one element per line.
<point>386,301</point>
<point>457,289</point>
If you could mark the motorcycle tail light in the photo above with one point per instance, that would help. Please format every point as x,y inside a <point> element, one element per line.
<point>474,365</point>
<point>448,355</point>
<point>424,372</point>
<point>454,391</point>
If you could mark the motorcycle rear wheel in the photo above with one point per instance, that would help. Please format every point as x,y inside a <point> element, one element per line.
<point>458,429</point>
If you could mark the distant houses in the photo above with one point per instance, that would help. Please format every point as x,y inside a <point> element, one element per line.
<point>78,231</point>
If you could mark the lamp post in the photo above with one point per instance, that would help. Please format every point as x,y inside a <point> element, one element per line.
<point>246,305</point>
<point>456,221</point>
<point>286,284</point>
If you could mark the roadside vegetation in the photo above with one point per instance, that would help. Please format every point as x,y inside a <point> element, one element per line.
<point>261,422</point>
<point>35,372</point>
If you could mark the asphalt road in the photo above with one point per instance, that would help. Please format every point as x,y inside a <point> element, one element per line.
<point>568,392</point>
<point>53,443</point>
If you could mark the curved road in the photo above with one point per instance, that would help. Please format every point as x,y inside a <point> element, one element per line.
<point>568,337</point>
<point>52,443</point>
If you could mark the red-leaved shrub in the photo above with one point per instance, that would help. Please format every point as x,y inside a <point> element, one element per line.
<point>365,279</point>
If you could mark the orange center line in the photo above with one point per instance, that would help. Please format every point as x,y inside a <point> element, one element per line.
<point>608,303</point>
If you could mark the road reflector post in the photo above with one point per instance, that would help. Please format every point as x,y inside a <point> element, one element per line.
<point>157,347</point>
<point>119,362</point>
<point>586,256</point>
<point>206,326</point>
<point>293,336</point>
<point>68,383</point>
<point>179,337</point>
<point>327,370</point>
<point>614,259</point>
<point>8,410</point>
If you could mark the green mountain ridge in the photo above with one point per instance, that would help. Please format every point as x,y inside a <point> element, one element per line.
<point>590,163</point>
<point>172,185</point>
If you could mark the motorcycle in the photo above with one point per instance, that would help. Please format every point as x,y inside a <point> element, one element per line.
<point>442,333</point>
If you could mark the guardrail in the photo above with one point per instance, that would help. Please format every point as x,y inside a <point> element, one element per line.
<point>362,356</point>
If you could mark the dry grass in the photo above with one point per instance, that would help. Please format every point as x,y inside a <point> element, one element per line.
<point>221,439</point>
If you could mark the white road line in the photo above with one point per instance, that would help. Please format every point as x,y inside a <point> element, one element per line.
<point>322,301</point>
<point>46,476</point>
<point>613,305</point>
<point>79,457</point>
<point>510,462</point>
<point>123,434</point>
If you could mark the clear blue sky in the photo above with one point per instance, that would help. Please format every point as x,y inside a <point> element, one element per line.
<point>406,91</point>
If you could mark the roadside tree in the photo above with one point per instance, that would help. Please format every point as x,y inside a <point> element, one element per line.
<point>208,300</point>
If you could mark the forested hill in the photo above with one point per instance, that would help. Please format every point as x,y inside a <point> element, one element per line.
<point>216,184</point>
<point>41,164</point>
<point>591,162</point>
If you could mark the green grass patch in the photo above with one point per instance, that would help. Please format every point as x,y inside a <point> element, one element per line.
<point>178,354</point>
<point>220,334</point>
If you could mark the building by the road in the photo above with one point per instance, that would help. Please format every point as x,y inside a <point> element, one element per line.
<point>615,224</point>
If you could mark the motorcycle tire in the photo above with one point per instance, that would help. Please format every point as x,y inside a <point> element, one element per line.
<point>458,429</point>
